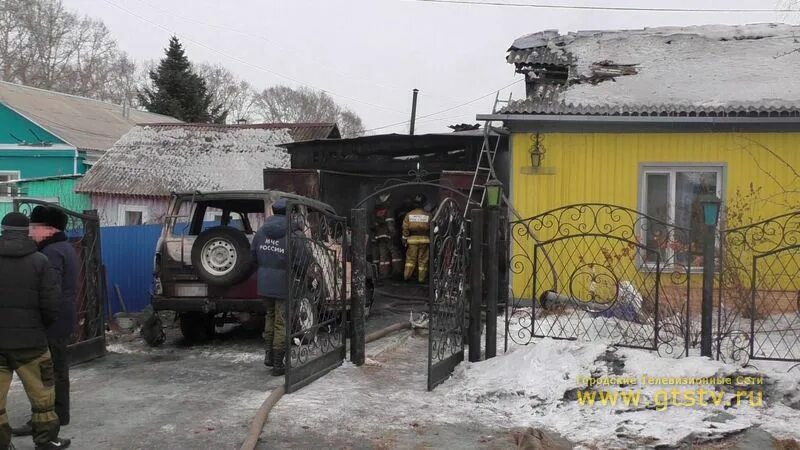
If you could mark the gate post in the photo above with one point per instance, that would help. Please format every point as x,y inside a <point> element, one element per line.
<point>707,310</point>
<point>493,279</point>
<point>358,239</point>
<point>476,284</point>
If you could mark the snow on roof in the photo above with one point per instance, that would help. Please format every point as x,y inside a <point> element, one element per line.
<point>159,160</point>
<point>300,131</point>
<point>83,122</point>
<point>746,69</point>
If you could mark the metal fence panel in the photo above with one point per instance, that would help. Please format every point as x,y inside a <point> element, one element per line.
<point>128,254</point>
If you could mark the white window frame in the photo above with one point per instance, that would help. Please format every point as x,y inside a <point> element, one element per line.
<point>671,170</point>
<point>122,209</point>
<point>15,176</point>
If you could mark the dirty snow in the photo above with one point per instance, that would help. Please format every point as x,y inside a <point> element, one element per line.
<point>708,66</point>
<point>529,386</point>
<point>234,354</point>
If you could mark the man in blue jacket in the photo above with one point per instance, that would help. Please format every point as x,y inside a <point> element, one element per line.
<point>270,249</point>
<point>47,229</point>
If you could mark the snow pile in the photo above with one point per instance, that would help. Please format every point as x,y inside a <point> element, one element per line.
<point>702,66</point>
<point>542,375</point>
<point>536,385</point>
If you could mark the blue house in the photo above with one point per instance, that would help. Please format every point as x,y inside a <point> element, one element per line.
<point>45,134</point>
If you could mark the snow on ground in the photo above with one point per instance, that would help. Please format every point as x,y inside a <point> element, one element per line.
<point>536,386</point>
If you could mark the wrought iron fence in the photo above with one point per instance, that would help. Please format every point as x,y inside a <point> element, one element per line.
<point>448,291</point>
<point>83,232</point>
<point>319,285</point>
<point>758,316</point>
<point>599,271</point>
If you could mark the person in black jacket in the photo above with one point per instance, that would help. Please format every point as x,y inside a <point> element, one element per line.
<point>29,293</point>
<point>47,229</point>
<point>270,250</point>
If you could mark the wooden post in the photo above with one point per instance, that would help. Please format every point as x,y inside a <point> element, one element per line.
<point>358,233</point>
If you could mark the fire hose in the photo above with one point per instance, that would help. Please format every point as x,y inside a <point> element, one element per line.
<point>272,399</point>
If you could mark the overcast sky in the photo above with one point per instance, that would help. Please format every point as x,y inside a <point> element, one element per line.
<point>370,54</point>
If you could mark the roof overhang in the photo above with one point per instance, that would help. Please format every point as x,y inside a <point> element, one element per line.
<point>390,144</point>
<point>46,148</point>
<point>622,124</point>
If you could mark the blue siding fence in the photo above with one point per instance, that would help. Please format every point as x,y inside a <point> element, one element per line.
<point>128,254</point>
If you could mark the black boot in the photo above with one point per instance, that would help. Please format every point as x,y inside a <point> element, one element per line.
<point>56,443</point>
<point>268,358</point>
<point>278,366</point>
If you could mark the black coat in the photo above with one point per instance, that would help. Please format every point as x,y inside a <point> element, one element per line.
<point>66,263</point>
<point>29,293</point>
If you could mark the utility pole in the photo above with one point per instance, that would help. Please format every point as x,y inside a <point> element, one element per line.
<point>413,112</point>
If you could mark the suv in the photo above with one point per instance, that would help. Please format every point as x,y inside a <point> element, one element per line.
<point>204,270</point>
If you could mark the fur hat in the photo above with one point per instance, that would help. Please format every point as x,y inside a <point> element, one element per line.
<point>39,214</point>
<point>15,221</point>
<point>279,207</point>
<point>50,216</point>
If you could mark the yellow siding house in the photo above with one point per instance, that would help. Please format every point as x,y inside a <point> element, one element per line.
<point>649,121</point>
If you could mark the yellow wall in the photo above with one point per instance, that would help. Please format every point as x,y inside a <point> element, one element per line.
<point>605,167</point>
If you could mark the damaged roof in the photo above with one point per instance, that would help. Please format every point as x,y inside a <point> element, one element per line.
<point>83,122</point>
<point>156,160</point>
<point>713,70</point>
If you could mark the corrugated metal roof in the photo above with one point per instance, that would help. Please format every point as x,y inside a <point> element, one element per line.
<point>85,123</point>
<point>538,105</point>
<point>299,131</point>
<point>155,161</point>
<point>710,70</point>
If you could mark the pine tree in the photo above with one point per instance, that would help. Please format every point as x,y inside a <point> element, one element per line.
<point>178,91</point>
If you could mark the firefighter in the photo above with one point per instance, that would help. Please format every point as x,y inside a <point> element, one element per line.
<point>397,235</point>
<point>390,260</point>
<point>416,226</point>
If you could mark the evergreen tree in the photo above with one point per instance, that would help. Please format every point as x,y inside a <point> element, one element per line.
<point>179,92</point>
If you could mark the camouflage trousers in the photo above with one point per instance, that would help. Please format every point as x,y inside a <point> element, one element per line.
<point>275,324</point>
<point>34,368</point>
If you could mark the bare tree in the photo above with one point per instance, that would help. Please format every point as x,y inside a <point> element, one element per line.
<point>350,124</point>
<point>788,17</point>
<point>226,89</point>
<point>44,45</point>
<point>284,104</point>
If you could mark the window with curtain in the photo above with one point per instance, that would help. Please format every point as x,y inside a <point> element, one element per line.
<point>670,194</point>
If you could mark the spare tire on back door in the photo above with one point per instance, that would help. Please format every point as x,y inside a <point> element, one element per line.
<point>221,256</point>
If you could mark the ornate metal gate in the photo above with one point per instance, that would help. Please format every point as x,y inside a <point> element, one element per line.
<point>758,313</point>
<point>83,232</point>
<point>319,285</point>
<point>448,291</point>
<point>597,271</point>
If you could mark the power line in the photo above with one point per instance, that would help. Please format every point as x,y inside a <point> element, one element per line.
<point>603,8</point>
<point>241,61</point>
<point>447,109</point>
